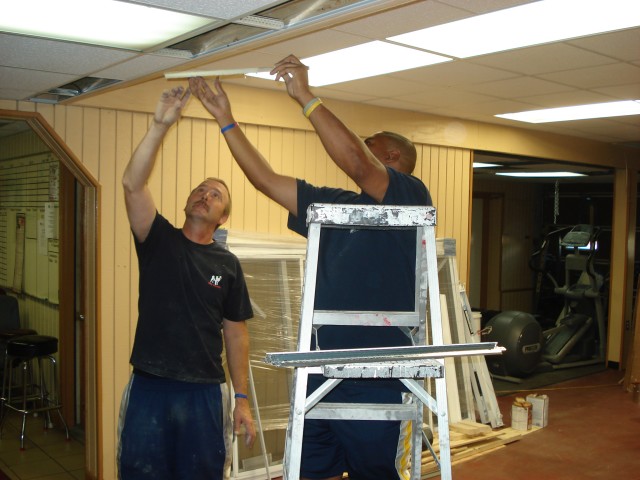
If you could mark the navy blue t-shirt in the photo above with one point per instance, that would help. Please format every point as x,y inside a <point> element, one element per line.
<point>186,290</point>
<point>364,269</point>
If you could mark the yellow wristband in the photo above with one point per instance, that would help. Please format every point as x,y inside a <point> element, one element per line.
<point>311,106</point>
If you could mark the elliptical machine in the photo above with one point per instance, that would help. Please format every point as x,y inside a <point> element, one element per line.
<point>577,337</point>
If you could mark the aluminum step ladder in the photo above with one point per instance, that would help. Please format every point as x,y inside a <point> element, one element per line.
<point>409,365</point>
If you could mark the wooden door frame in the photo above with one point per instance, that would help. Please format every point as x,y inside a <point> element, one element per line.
<point>74,171</point>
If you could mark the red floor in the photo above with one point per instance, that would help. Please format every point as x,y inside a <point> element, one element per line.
<point>593,433</point>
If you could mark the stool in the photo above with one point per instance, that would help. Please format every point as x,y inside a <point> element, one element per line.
<point>22,351</point>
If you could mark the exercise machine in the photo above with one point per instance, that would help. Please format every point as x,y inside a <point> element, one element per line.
<point>577,337</point>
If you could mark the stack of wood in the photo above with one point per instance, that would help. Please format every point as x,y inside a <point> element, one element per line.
<point>468,439</point>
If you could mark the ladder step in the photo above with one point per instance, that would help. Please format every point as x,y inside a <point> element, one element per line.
<point>416,369</point>
<point>367,319</point>
<point>371,216</point>
<point>363,411</point>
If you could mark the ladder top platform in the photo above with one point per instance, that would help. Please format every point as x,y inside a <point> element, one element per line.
<point>372,216</point>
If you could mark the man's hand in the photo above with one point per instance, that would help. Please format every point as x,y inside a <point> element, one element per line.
<point>170,106</point>
<point>242,416</point>
<point>296,78</point>
<point>216,102</point>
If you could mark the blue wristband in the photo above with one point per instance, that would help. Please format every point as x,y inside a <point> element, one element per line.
<point>228,127</point>
<point>240,395</point>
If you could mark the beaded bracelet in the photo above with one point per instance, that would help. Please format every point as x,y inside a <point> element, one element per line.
<point>228,127</point>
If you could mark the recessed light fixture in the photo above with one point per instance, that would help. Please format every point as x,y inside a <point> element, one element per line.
<point>535,23</point>
<point>362,61</point>
<point>485,165</point>
<point>99,22</point>
<point>541,174</point>
<point>578,112</point>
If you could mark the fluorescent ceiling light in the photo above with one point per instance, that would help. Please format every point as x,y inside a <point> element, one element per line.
<point>531,24</point>
<point>362,61</point>
<point>578,112</point>
<point>485,165</point>
<point>541,174</point>
<point>99,22</point>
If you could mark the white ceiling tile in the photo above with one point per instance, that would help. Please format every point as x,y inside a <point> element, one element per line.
<point>543,59</point>
<point>379,86</point>
<point>222,9</point>
<point>594,77</point>
<point>140,66</point>
<point>623,45</point>
<point>484,6</point>
<point>622,92</point>
<point>314,44</point>
<point>442,96</point>
<point>517,87</point>
<point>55,56</point>
<point>450,74</point>
<point>415,16</point>
<point>33,80</point>
<point>566,99</point>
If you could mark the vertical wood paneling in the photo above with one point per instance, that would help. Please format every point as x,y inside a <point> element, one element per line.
<point>124,302</point>
<point>184,153</point>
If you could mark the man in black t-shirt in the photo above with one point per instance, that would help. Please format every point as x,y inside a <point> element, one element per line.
<point>192,300</point>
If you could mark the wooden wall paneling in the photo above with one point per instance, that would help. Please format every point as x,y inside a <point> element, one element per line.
<point>184,164</point>
<point>90,128</point>
<point>60,120</point>
<point>250,212</point>
<point>262,202</point>
<point>286,167</point>
<point>198,153</point>
<point>125,304</point>
<point>167,172</point>
<point>233,175</point>
<point>73,132</point>
<point>277,157</point>
<point>100,144</point>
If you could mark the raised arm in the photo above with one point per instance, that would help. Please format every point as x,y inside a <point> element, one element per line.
<point>141,209</point>
<point>280,188</point>
<point>346,149</point>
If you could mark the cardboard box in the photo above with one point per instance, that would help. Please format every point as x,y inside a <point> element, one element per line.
<point>539,410</point>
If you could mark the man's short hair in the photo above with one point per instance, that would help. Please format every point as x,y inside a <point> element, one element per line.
<point>405,146</point>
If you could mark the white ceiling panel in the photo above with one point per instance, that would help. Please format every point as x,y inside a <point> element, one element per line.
<point>544,59</point>
<point>623,45</point>
<point>32,80</point>
<point>140,66</point>
<point>55,56</point>
<point>454,74</point>
<point>566,99</point>
<point>221,9</point>
<point>404,19</point>
<point>485,6</point>
<point>518,87</point>
<point>595,77</point>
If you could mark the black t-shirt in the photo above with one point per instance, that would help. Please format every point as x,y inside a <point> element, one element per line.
<point>186,290</point>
